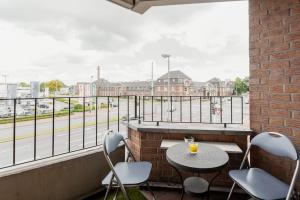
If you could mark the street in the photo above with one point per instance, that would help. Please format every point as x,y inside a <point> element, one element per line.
<point>44,127</point>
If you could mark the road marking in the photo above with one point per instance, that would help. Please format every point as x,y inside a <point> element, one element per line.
<point>49,132</point>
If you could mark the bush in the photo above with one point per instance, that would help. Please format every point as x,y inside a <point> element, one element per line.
<point>78,107</point>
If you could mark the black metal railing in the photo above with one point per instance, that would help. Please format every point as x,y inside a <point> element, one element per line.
<point>60,125</point>
<point>85,115</point>
<point>193,109</point>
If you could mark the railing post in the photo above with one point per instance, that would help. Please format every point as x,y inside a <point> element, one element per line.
<point>118,113</point>
<point>200,109</point>
<point>180,108</point>
<point>161,108</point>
<point>231,109</point>
<point>53,125</point>
<point>128,107</point>
<point>191,109</point>
<point>96,109</point>
<point>83,121</point>
<point>35,111</point>
<point>139,109</point>
<point>69,126</point>
<point>242,111</point>
<point>108,104</point>
<point>171,112</point>
<point>152,108</point>
<point>14,133</point>
<point>135,107</point>
<point>210,111</point>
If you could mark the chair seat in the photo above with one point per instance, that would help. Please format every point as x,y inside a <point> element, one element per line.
<point>130,173</point>
<point>260,184</point>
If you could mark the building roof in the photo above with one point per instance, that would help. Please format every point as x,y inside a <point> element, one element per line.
<point>175,74</point>
<point>137,84</point>
<point>198,84</point>
<point>214,80</point>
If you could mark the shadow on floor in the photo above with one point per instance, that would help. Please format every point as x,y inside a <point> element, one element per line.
<point>168,194</point>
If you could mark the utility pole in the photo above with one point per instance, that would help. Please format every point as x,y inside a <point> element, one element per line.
<point>152,85</point>
<point>98,73</point>
<point>98,84</point>
<point>169,109</point>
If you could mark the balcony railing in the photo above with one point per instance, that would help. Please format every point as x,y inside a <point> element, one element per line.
<point>193,109</point>
<point>32,129</point>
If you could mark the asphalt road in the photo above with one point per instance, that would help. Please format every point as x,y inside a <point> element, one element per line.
<point>25,130</point>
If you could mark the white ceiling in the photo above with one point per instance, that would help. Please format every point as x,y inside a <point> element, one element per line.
<point>141,6</point>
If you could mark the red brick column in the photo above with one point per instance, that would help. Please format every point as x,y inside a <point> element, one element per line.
<point>275,76</point>
<point>146,147</point>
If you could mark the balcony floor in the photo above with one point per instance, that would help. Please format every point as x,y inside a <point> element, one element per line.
<point>174,194</point>
<point>168,194</point>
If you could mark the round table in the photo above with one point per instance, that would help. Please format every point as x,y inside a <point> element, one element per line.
<point>209,159</point>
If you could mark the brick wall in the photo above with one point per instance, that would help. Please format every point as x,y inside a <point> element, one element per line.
<point>146,147</point>
<point>275,76</point>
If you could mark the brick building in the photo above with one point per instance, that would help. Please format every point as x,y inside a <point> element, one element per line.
<point>106,88</point>
<point>180,85</point>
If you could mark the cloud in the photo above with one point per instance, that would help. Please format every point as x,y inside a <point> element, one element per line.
<point>68,39</point>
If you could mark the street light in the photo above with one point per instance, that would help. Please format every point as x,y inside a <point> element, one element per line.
<point>167,56</point>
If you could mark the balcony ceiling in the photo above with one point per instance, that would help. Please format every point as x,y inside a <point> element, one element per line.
<point>141,6</point>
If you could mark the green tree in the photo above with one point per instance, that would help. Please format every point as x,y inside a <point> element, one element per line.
<point>53,85</point>
<point>23,84</point>
<point>241,85</point>
<point>43,85</point>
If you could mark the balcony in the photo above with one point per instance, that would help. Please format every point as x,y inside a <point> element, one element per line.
<point>57,134</point>
<point>56,161</point>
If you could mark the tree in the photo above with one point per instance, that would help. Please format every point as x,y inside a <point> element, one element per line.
<point>43,85</point>
<point>241,86</point>
<point>53,85</point>
<point>23,84</point>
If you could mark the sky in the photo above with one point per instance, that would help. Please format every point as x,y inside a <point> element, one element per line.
<point>67,39</point>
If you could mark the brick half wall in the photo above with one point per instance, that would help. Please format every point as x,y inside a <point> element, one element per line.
<point>146,147</point>
<point>275,77</point>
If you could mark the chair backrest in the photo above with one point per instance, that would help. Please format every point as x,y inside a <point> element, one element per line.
<point>111,141</point>
<point>276,144</point>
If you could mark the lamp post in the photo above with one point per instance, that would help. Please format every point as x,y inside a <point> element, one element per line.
<point>167,56</point>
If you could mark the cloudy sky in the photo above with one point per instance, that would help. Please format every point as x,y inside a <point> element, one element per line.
<point>67,39</point>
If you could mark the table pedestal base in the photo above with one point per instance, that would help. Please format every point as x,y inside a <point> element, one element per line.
<point>196,186</point>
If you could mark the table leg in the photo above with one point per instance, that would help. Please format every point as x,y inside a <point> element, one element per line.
<point>181,180</point>
<point>210,183</point>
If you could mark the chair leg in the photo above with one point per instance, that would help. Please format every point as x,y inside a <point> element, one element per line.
<point>231,190</point>
<point>108,188</point>
<point>116,194</point>
<point>107,192</point>
<point>150,190</point>
<point>124,192</point>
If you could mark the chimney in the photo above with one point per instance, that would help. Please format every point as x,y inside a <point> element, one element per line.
<point>98,73</point>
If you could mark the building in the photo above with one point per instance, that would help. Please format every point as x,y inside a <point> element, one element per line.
<point>106,88</point>
<point>84,89</point>
<point>34,89</point>
<point>23,92</point>
<point>3,90</point>
<point>180,84</point>
<point>217,87</point>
